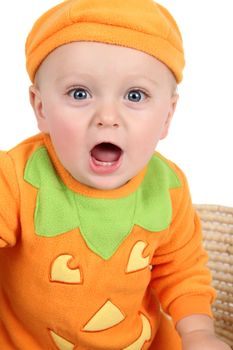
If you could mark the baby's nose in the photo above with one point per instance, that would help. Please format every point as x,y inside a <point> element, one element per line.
<point>107,116</point>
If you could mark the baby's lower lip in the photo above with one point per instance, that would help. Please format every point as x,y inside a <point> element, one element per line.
<point>102,168</point>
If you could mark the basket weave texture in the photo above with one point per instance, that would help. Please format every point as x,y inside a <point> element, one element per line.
<point>217,225</point>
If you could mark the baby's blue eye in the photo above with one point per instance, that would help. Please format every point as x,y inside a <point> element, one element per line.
<point>136,95</point>
<point>79,94</point>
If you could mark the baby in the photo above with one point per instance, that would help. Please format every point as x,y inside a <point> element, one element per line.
<point>100,244</point>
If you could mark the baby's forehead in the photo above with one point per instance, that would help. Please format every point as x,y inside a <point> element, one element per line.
<point>89,60</point>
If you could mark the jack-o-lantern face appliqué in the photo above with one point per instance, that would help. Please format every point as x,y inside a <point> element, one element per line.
<point>63,344</point>
<point>109,314</point>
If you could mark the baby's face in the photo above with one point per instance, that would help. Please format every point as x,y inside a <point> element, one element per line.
<point>105,108</point>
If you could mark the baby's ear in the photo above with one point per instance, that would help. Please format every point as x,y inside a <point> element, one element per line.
<point>37,105</point>
<point>170,114</point>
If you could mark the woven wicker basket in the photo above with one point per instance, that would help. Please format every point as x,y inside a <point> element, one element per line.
<point>217,224</point>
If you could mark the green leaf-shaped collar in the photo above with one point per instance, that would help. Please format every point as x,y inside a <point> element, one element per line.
<point>103,223</point>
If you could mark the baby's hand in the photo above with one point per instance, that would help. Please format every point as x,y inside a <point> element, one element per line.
<point>197,333</point>
<point>202,340</point>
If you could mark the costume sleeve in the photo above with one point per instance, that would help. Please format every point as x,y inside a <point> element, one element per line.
<point>9,202</point>
<point>180,277</point>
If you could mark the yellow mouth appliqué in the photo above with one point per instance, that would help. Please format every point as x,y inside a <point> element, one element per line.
<point>61,343</point>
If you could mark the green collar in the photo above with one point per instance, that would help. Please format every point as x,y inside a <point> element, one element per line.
<point>103,223</point>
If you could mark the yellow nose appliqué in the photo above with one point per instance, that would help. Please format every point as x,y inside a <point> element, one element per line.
<point>108,316</point>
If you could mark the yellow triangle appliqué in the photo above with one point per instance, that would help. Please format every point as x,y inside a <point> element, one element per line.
<point>108,316</point>
<point>61,343</point>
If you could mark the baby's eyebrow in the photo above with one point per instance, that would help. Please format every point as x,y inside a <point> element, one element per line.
<point>72,76</point>
<point>138,76</point>
<point>141,78</point>
<point>88,78</point>
<point>152,81</point>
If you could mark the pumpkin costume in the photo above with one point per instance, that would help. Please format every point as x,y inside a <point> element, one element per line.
<point>82,268</point>
<point>87,269</point>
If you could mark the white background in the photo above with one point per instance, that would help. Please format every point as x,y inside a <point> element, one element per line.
<point>201,137</point>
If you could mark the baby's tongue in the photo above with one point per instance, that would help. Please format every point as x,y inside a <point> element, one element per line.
<point>106,152</point>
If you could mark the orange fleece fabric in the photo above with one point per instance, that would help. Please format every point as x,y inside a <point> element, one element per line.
<point>58,292</point>
<point>139,24</point>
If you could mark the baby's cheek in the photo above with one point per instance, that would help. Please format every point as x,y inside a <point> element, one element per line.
<point>66,141</point>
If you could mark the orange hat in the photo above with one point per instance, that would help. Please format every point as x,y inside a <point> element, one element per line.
<point>139,24</point>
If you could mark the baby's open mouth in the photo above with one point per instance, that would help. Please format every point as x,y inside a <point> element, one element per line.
<point>105,157</point>
<point>106,153</point>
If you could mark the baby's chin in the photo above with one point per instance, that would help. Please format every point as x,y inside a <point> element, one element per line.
<point>104,182</point>
<point>107,184</point>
